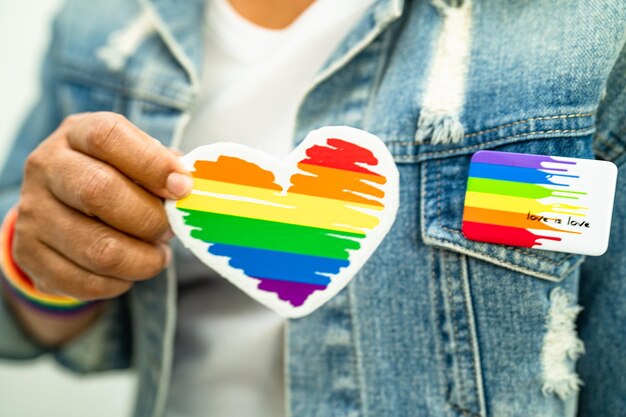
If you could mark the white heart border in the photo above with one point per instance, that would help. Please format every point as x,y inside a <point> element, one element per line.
<point>283,170</point>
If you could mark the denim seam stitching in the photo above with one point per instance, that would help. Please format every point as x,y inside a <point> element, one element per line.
<point>525,251</point>
<point>603,155</point>
<point>435,291</point>
<point>504,126</point>
<point>571,268</point>
<point>616,148</point>
<point>449,287</point>
<point>437,323</point>
<point>504,140</point>
<point>439,217</point>
<point>620,161</point>
<point>532,119</point>
<point>462,410</point>
<point>480,145</point>
<point>439,348</point>
<point>455,330</point>
<point>471,324</point>
<point>600,138</point>
<point>67,76</point>
<point>483,257</point>
<point>357,357</point>
<point>379,72</point>
<point>605,141</point>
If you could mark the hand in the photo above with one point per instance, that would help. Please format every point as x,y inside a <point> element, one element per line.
<point>90,217</point>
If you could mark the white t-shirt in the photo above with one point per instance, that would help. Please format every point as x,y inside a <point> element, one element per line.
<point>228,355</point>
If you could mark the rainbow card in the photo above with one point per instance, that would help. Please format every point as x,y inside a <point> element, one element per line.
<point>542,202</point>
<point>290,233</point>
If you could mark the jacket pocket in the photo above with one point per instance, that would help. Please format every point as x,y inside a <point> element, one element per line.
<point>489,309</point>
<point>443,186</point>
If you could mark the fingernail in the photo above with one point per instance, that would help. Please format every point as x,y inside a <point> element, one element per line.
<point>167,251</point>
<point>169,233</point>
<point>179,185</point>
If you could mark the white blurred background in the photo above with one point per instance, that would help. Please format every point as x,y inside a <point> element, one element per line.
<point>41,388</point>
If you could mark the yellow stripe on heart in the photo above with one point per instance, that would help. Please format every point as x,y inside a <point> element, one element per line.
<point>260,203</point>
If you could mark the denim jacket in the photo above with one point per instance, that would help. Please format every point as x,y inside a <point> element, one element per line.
<point>434,324</point>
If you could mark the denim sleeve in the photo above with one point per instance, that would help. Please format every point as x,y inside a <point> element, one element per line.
<point>106,344</point>
<point>610,137</point>
<point>602,284</point>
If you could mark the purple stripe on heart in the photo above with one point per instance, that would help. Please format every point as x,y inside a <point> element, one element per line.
<point>295,293</point>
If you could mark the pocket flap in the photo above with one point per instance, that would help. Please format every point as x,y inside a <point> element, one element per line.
<point>443,186</point>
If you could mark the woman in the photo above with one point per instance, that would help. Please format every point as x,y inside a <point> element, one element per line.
<point>435,324</point>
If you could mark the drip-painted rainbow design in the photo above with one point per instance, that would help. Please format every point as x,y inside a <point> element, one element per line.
<point>21,286</point>
<point>290,243</point>
<point>509,194</point>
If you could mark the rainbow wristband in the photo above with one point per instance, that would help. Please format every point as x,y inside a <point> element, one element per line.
<point>20,286</point>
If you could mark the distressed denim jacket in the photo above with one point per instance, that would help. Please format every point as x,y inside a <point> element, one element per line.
<point>434,325</point>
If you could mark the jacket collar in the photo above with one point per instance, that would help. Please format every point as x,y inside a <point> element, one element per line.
<point>181,25</point>
<point>381,14</point>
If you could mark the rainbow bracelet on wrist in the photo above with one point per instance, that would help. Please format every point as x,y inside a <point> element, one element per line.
<point>21,287</point>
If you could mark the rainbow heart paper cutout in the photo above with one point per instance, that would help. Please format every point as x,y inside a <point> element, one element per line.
<point>290,233</point>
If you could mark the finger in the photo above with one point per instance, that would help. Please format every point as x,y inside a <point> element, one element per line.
<point>102,191</point>
<point>111,138</point>
<point>100,249</point>
<point>176,151</point>
<point>54,274</point>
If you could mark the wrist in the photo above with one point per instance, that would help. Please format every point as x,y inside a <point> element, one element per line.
<point>19,286</point>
